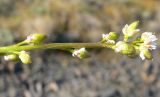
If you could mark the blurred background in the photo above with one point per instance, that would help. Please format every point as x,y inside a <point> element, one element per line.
<point>56,73</point>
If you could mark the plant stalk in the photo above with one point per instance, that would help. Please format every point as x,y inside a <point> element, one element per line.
<point>14,48</point>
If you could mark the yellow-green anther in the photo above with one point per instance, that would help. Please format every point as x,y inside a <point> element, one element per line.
<point>25,57</point>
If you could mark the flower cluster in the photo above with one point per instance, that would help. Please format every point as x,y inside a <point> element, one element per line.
<point>24,56</point>
<point>141,46</point>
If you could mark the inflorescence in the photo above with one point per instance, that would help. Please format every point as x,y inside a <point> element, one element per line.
<point>133,44</point>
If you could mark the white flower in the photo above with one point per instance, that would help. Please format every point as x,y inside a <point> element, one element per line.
<point>78,52</point>
<point>106,38</point>
<point>145,53</point>
<point>119,46</point>
<point>149,43</point>
<point>149,40</point>
<point>127,30</point>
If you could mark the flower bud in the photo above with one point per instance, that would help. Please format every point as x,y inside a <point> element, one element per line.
<point>80,53</point>
<point>133,26</point>
<point>35,38</point>
<point>83,55</point>
<point>109,38</point>
<point>124,48</point>
<point>25,57</point>
<point>130,30</point>
<point>11,57</point>
<point>112,36</point>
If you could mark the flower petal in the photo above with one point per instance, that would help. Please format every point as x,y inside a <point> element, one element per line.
<point>142,55</point>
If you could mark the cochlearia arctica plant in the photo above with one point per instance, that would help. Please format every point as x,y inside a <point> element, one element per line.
<point>135,43</point>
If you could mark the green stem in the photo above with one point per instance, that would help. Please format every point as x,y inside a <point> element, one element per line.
<point>126,38</point>
<point>10,49</point>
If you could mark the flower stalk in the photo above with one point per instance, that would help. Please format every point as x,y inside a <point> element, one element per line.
<point>141,46</point>
<point>9,49</point>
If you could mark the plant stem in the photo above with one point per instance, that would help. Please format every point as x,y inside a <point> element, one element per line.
<point>10,49</point>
